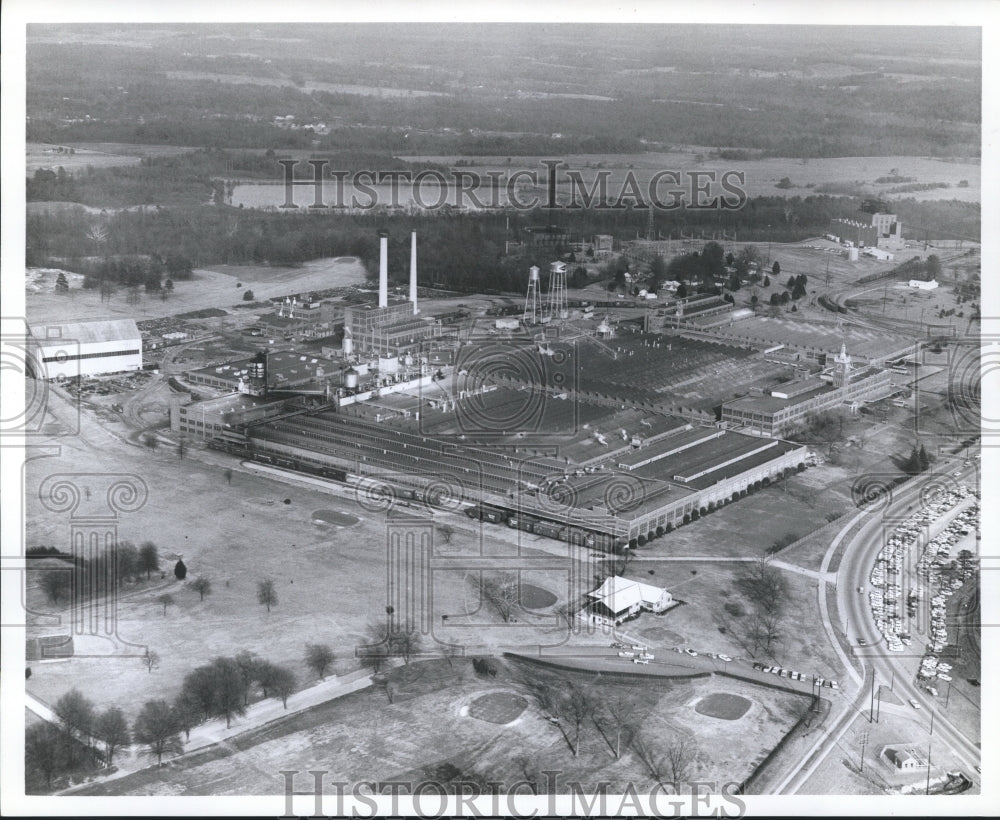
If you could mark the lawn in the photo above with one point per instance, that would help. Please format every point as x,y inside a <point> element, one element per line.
<point>434,735</point>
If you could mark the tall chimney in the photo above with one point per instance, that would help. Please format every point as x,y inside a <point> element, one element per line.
<point>413,271</point>
<point>383,270</point>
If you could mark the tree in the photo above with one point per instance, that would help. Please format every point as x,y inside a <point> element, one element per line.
<point>180,570</point>
<point>112,728</point>
<point>775,298</point>
<point>166,599</point>
<point>228,473</point>
<point>44,751</point>
<point>680,756</point>
<point>776,268</point>
<point>404,641</point>
<point>618,709</point>
<point>55,583</point>
<point>282,684</point>
<point>577,705</point>
<point>181,449</point>
<point>198,690</point>
<point>783,183</point>
<point>767,280</point>
<point>378,650</point>
<point>924,459</point>
<point>151,441</point>
<point>267,594</point>
<point>151,660</point>
<point>447,531</point>
<point>62,286</point>
<point>248,296</point>
<point>156,728</point>
<point>933,266</point>
<point>682,291</point>
<point>186,713</point>
<point>501,592</point>
<point>319,658</point>
<point>201,585</point>
<point>250,667</point>
<point>76,714</point>
<point>149,558</point>
<point>229,692</point>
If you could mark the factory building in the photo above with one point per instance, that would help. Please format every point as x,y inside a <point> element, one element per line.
<point>70,349</point>
<point>785,407</point>
<point>213,418</point>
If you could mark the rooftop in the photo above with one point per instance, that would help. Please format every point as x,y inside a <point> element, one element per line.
<point>107,330</point>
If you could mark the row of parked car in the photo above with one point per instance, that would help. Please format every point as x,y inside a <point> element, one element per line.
<point>791,674</point>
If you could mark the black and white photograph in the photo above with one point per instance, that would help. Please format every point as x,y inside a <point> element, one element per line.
<point>499,410</point>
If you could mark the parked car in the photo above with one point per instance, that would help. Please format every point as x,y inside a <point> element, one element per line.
<point>914,704</point>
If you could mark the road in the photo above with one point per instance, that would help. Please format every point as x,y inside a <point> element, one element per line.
<point>876,663</point>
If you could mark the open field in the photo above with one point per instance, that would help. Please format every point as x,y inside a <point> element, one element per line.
<point>433,733</point>
<point>807,176</point>
<point>95,155</point>
<point>221,287</point>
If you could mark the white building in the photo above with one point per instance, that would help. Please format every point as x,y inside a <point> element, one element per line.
<point>618,599</point>
<point>71,349</point>
<point>920,284</point>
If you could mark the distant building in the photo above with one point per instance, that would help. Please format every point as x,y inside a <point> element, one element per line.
<point>619,599</point>
<point>71,349</point>
<point>922,285</point>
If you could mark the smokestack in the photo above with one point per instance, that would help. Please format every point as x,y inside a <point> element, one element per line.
<point>383,269</point>
<point>413,271</point>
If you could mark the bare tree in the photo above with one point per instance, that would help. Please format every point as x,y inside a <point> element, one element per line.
<point>319,658</point>
<point>577,706</point>
<point>267,594</point>
<point>680,757</point>
<point>201,585</point>
<point>151,660</point>
<point>404,641</point>
<point>228,473</point>
<point>501,592</point>
<point>283,684</point>
<point>186,712</point>
<point>44,751</point>
<point>377,651</point>
<point>181,449</point>
<point>149,558</point>
<point>229,692</point>
<point>250,667</point>
<point>166,599</point>
<point>618,710</point>
<point>447,531</point>
<point>112,728</point>
<point>76,714</point>
<point>156,728</point>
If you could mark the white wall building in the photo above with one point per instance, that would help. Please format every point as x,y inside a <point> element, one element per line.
<point>71,349</point>
<point>619,598</point>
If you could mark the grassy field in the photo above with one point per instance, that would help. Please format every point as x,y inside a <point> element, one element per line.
<point>762,175</point>
<point>432,734</point>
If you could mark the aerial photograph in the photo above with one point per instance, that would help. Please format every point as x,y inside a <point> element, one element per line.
<point>577,418</point>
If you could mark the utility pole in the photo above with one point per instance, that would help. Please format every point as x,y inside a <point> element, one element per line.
<point>878,714</point>
<point>871,710</point>
<point>928,789</point>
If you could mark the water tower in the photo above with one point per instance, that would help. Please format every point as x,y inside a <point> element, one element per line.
<point>532,304</point>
